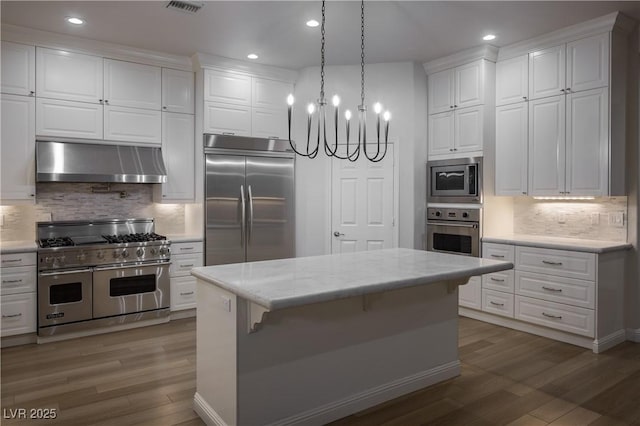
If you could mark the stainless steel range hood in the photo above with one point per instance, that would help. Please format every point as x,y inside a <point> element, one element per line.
<point>63,160</point>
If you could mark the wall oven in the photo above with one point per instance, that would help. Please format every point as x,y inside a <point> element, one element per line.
<point>453,230</point>
<point>455,181</point>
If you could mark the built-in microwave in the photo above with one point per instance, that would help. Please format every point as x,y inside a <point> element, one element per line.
<point>455,181</point>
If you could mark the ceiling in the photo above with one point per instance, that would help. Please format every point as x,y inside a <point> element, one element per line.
<point>396,31</point>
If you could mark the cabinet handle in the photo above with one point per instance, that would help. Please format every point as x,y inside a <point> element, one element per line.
<point>12,316</point>
<point>12,260</point>
<point>499,256</point>
<point>497,279</point>
<point>552,289</point>
<point>32,195</point>
<point>187,248</point>
<point>11,281</point>
<point>548,262</point>
<point>228,133</point>
<point>101,101</point>
<point>32,93</point>
<point>568,89</point>
<point>496,304</point>
<point>164,107</point>
<point>187,293</point>
<point>187,266</point>
<point>524,97</point>
<point>455,106</point>
<point>106,101</point>
<point>524,192</point>
<point>450,106</point>
<point>455,149</point>
<point>562,90</point>
<point>552,316</point>
<point>273,137</point>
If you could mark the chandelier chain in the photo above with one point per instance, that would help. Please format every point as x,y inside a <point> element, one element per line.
<point>322,56</point>
<point>362,52</point>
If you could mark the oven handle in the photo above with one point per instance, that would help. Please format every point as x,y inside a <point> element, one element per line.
<point>457,225</point>
<point>75,271</point>
<point>143,265</point>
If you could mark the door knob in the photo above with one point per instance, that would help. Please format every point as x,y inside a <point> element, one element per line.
<point>337,234</point>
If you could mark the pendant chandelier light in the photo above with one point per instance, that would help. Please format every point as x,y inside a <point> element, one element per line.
<point>316,112</point>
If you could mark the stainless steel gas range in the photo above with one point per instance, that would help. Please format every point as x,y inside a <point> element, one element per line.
<point>100,273</point>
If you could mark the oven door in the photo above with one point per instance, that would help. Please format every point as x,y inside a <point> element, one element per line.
<point>119,290</point>
<point>454,237</point>
<point>64,297</point>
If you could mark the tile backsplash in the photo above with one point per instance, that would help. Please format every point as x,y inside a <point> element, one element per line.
<point>76,201</point>
<point>584,219</point>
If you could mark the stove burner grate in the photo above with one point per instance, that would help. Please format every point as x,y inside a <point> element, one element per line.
<point>133,238</point>
<point>56,242</point>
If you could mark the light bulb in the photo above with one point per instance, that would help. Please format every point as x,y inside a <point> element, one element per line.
<point>290,99</point>
<point>311,108</point>
<point>347,115</point>
<point>386,116</point>
<point>489,37</point>
<point>312,23</point>
<point>335,100</point>
<point>74,20</point>
<point>377,108</point>
<point>252,56</point>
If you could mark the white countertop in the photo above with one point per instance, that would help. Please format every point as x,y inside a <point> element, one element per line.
<point>18,246</point>
<point>184,238</point>
<point>285,283</point>
<point>591,246</point>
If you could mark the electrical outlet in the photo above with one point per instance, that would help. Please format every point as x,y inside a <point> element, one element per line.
<point>595,218</point>
<point>616,219</point>
<point>43,217</point>
<point>562,217</point>
<point>226,302</point>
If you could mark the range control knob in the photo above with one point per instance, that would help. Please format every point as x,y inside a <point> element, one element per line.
<point>116,254</point>
<point>438,213</point>
<point>48,260</point>
<point>100,255</point>
<point>154,251</point>
<point>465,214</point>
<point>164,250</point>
<point>140,252</point>
<point>125,253</point>
<point>81,257</point>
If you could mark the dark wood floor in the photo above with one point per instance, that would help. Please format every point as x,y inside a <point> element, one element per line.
<point>147,377</point>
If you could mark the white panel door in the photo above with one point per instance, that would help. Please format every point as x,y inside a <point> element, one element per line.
<point>441,133</point>
<point>69,76</point>
<point>468,83</point>
<point>511,149</point>
<point>18,314</point>
<point>177,91</point>
<point>132,125</point>
<point>441,91</point>
<point>17,148</point>
<point>547,72</point>
<point>69,119</point>
<point>227,87</point>
<point>588,63</point>
<point>470,294</point>
<point>362,204</point>
<point>132,85</point>
<point>468,129</point>
<point>178,153</point>
<point>270,93</point>
<point>226,119</point>
<point>588,143</point>
<point>547,146</point>
<point>269,123</point>
<point>18,69</point>
<point>512,80</point>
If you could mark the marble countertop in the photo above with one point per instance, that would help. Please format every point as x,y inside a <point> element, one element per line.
<point>575,244</point>
<point>184,238</point>
<point>285,283</point>
<point>18,246</point>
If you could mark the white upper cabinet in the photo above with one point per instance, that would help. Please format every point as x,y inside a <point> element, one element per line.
<point>269,123</point>
<point>226,119</point>
<point>547,72</point>
<point>512,80</point>
<point>69,76</point>
<point>441,92</point>
<point>441,133</point>
<point>18,69</point>
<point>132,125</point>
<point>178,152</point>
<point>511,149</point>
<point>547,146</point>
<point>227,87</point>
<point>61,118</point>
<point>469,85</point>
<point>132,85</point>
<point>270,93</point>
<point>17,148</point>
<point>468,130</point>
<point>588,63</point>
<point>177,91</point>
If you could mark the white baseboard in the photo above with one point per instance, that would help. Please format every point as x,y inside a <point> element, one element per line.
<point>346,406</point>
<point>607,342</point>
<point>633,335</point>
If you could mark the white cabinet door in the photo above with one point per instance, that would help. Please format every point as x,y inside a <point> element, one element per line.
<point>587,143</point>
<point>547,72</point>
<point>69,76</point>
<point>269,123</point>
<point>132,85</point>
<point>468,129</point>
<point>17,148</point>
<point>441,91</point>
<point>177,91</point>
<point>68,119</point>
<point>512,80</point>
<point>227,87</point>
<point>18,68</point>
<point>132,125</point>
<point>511,149</point>
<point>470,294</point>
<point>18,314</point>
<point>226,119</point>
<point>441,133</point>
<point>270,94</point>
<point>178,152</point>
<point>547,146</point>
<point>588,63</point>
<point>183,293</point>
<point>469,85</point>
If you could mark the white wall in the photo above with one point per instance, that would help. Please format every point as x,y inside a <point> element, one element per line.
<point>401,88</point>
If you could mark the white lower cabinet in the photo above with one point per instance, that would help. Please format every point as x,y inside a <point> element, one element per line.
<point>18,286</point>
<point>556,315</point>
<point>185,256</point>
<point>183,293</point>
<point>497,302</point>
<point>470,294</point>
<point>18,314</point>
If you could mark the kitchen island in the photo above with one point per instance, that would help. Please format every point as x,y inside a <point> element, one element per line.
<point>312,339</point>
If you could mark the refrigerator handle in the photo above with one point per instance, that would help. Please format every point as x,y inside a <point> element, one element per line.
<point>250,231</point>
<point>243,221</point>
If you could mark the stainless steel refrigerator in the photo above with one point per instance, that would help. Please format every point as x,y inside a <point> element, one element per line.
<point>249,199</point>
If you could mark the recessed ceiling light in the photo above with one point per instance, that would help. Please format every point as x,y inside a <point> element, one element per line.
<point>312,23</point>
<point>489,37</point>
<point>75,21</point>
<point>252,56</point>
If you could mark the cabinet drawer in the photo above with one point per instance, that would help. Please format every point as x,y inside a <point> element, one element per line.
<point>496,251</point>
<point>500,281</point>
<point>21,279</point>
<point>555,315</point>
<point>17,259</point>
<point>556,289</point>
<point>469,295</point>
<point>18,314</point>
<point>497,302</point>
<point>183,293</point>
<point>186,248</point>
<point>181,264</point>
<point>563,263</point>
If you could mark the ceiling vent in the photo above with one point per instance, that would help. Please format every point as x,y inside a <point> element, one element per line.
<point>185,5</point>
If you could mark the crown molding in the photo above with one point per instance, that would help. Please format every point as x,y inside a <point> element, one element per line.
<point>615,21</point>
<point>93,47</point>
<point>203,60</point>
<point>486,51</point>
